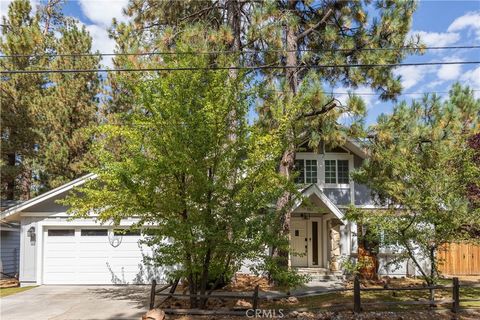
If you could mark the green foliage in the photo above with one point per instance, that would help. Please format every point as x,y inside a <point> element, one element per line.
<point>187,164</point>
<point>420,168</point>
<point>43,115</point>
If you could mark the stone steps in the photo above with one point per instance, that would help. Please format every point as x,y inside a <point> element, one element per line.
<point>321,274</point>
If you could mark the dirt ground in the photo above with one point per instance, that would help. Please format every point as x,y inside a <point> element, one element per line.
<point>244,283</point>
<point>419,315</point>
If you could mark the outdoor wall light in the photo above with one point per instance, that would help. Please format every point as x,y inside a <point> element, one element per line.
<point>31,235</point>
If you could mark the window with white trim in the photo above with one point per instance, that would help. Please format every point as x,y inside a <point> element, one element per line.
<point>307,171</point>
<point>337,172</point>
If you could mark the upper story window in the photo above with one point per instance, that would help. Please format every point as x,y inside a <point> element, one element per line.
<point>336,172</point>
<point>307,171</point>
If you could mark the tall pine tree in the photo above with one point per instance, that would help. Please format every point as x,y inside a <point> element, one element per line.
<point>294,34</point>
<point>44,115</point>
<point>21,98</point>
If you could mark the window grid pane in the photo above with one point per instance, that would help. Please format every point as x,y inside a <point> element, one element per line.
<point>93,232</point>
<point>300,168</point>
<point>61,232</point>
<point>330,171</point>
<point>343,174</point>
<point>311,171</point>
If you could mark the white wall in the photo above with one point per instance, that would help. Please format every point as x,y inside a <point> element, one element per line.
<point>28,251</point>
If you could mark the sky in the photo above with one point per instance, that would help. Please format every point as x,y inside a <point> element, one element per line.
<point>439,23</point>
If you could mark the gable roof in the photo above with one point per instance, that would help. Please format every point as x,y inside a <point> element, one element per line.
<point>313,189</point>
<point>12,211</point>
<point>355,147</point>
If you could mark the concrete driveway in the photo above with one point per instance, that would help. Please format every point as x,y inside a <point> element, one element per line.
<point>76,302</point>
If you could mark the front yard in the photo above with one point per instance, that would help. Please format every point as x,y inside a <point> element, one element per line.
<point>339,305</point>
<point>344,300</point>
<point>9,291</point>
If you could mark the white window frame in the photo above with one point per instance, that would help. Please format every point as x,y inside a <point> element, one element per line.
<point>310,156</point>
<point>338,156</point>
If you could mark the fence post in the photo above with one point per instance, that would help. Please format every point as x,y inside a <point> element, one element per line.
<point>456,295</point>
<point>152,294</point>
<point>356,295</point>
<point>255,298</point>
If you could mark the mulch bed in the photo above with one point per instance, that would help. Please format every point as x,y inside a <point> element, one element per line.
<point>8,283</point>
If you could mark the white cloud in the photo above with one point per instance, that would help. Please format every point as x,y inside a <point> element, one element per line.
<point>449,71</point>
<point>100,41</point>
<point>437,38</point>
<point>470,21</point>
<point>472,79</point>
<point>101,12</point>
<point>412,75</point>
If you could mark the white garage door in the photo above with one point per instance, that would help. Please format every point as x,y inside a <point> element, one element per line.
<point>94,256</point>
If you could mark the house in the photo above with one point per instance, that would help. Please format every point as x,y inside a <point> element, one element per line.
<point>57,250</point>
<point>9,243</point>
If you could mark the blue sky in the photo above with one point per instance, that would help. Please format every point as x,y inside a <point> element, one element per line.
<point>440,23</point>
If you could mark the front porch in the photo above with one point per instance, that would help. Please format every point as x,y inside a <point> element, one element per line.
<point>319,235</point>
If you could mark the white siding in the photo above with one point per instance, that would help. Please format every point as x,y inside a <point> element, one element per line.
<point>28,256</point>
<point>10,251</point>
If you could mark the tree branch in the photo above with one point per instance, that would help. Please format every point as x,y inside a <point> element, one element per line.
<point>315,26</point>
<point>326,108</point>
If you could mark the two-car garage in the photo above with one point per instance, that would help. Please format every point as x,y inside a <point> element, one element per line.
<point>58,249</point>
<point>86,255</point>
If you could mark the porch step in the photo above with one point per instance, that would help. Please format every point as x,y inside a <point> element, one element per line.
<point>321,274</point>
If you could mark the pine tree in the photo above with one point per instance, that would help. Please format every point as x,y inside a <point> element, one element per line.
<point>71,108</point>
<point>291,33</point>
<point>421,169</point>
<point>21,98</point>
<point>44,115</point>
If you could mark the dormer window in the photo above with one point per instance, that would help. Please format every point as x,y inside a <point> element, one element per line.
<point>336,172</point>
<point>307,171</point>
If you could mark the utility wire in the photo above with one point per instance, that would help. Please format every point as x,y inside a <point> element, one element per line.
<point>153,53</point>
<point>374,93</point>
<point>263,67</point>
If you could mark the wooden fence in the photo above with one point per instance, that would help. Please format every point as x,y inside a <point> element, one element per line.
<point>358,305</point>
<point>459,259</point>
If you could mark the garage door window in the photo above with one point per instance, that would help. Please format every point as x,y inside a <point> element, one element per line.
<point>93,232</point>
<point>61,232</point>
<point>126,232</point>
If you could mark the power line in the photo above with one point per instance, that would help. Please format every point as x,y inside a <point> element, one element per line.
<point>153,53</point>
<point>263,67</point>
<point>378,94</point>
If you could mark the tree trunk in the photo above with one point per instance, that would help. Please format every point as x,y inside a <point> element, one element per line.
<point>10,191</point>
<point>288,156</point>
<point>203,285</point>
<point>26,183</point>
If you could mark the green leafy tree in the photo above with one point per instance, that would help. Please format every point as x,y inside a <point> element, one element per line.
<point>178,169</point>
<point>421,168</point>
<point>294,34</point>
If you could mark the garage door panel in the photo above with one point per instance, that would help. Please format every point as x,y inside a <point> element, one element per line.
<point>92,254</point>
<point>60,261</point>
<point>61,241</point>
<point>62,269</point>
<point>89,258</point>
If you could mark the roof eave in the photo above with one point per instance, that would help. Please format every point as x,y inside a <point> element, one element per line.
<point>11,213</point>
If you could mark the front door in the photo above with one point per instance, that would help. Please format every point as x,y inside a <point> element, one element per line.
<point>305,242</point>
<point>299,243</point>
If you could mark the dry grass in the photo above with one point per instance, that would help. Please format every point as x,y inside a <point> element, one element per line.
<point>9,291</point>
